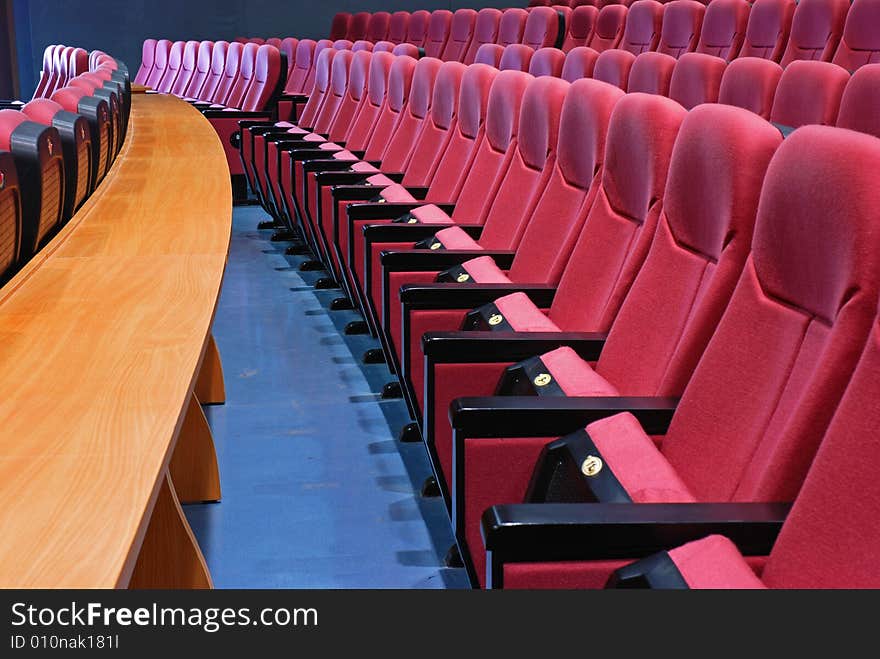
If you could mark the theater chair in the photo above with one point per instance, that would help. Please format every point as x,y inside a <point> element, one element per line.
<point>829,537</point>
<point>808,93</point>
<point>816,28</point>
<point>377,27</point>
<point>516,57</point>
<point>10,217</point>
<point>359,46</point>
<point>274,41</point>
<point>651,73</point>
<point>187,69</point>
<point>490,54</point>
<point>724,27</point>
<point>417,29</point>
<point>813,300</point>
<point>682,20</point>
<point>750,83</point>
<point>202,71</point>
<point>461,32</point>
<point>172,69</point>
<point>93,87</point>
<point>357,27</point>
<point>76,144</point>
<point>644,21</point>
<point>288,49</point>
<point>580,27</point>
<point>544,28</point>
<point>860,104</point>
<point>295,92</point>
<point>613,66</point>
<point>768,29</point>
<point>860,43</point>
<point>610,25</point>
<point>343,44</point>
<point>39,161</point>
<point>696,79</point>
<point>485,32</point>
<point>79,62</point>
<point>96,110</point>
<point>147,53</point>
<point>579,63</point>
<point>397,27</point>
<point>438,32</point>
<point>511,26</point>
<point>339,27</point>
<point>49,74</point>
<point>215,74</point>
<point>547,62</point>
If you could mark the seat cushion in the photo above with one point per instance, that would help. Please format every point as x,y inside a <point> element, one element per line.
<point>484,270</point>
<point>575,376</point>
<point>522,314</point>
<point>397,194</point>
<point>714,563</point>
<point>456,238</point>
<point>636,461</point>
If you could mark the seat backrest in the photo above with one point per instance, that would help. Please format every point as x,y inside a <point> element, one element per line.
<point>610,25</point>
<point>64,73</point>
<point>383,47</point>
<point>623,217</point>
<point>339,26</point>
<point>406,49</point>
<point>703,238</point>
<point>358,135</point>
<point>202,71</point>
<point>485,32</point>
<point>644,21</point>
<point>377,27</point>
<point>47,74</point>
<point>490,54</point>
<point>682,21</point>
<point>323,66</point>
<point>829,538</point>
<point>526,176</point>
<point>816,28</point>
<point>353,92</point>
<point>397,27</point>
<point>358,46</point>
<point>245,75</point>
<point>78,62</point>
<point>302,64</point>
<point>696,79</point>
<point>187,69</point>
<point>148,51</point>
<point>750,83</point>
<point>288,49</point>
<point>768,29</point>
<point>860,104</point>
<point>320,46</point>
<point>547,62</point>
<point>560,211</point>
<point>274,41</point>
<point>357,27</point>
<point>400,80</point>
<point>337,91</point>
<point>343,44</point>
<point>175,62</point>
<point>808,93</point>
<point>511,26</point>
<point>267,71</point>
<point>461,31</point>
<point>496,149</point>
<point>580,27</point>
<point>160,63</point>
<point>542,28</point>
<point>724,28</point>
<point>417,28</point>
<point>438,32</point>
<point>516,57</point>
<point>860,43</point>
<point>216,74</point>
<point>651,73</point>
<point>802,311</point>
<point>579,63</point>
<point>613,66</point>
<point>455,163</point>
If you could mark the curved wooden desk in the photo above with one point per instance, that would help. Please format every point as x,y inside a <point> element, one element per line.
<point>102,342</point>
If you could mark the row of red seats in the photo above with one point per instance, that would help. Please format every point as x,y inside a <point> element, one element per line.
<point>56,149</point>
<point>508,202</point>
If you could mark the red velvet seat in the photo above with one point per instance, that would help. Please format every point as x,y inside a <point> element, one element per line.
<point>175,62</point>
<point>406,49</point>
<point>511,26</point>
<point>696,79</point>
<point>339,25</point>
<point>230,74</point>
<point>48,74</point>
<point>417,29</point>
<point>187,69</point>
<point>768,29</point>
<point>808,93</point>
<point>243,78</point>
<point>357,27</point>
<point>274,41</point>
<point>610,25</point>
<point>397,27</point>
<point>580,27</point>
<point>377,27</point>
<point>490,54</point>
<point>644,21</point>
<point>78,62</point>
<point>266,77</point>
<point>816,28</point>
<point>860,43</point>
<point>160,63</point>
<point>358,46</point>
<point>516,57</point>
<point>485,32</point>
<point>320,46</point>
<point>613,66</point>
<point>750,83</point>
<point>542,28</point>
<point>438,32</point>
<point>579,63</point>
<point>547,62</point>
<point>302,64</point>
<point>201,72</point>
<point>215,73</point>
<point>461,32</point>
<point>651,73</point>
<point>860,104</point>
<point>288,49</point>
<point>682,21</point>
<point>343,44</point>
<point>724,28</point>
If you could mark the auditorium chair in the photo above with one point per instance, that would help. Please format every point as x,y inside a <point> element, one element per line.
<point>187,69</point>
<point>438,32</point>
<point>816,28</point>
<point>377,27</point>
<point>357,28</point>
<point>344,44</point>
<point>485,32</point>
<point>516,57</point>
<point>397,27</point>
<point>750,83</point>
<point>358,46</point>
<point>802,311</point>
<point>417,29</point>
<point>320,46</point>
<point>10,217</point>
<point>860,104</point>
<point>201,73</point>
<point>172,69</point>
<point>79,62</point>
<point>96,110</point>
<point>288,49</point>
<point>49,74</point>
<point>511,26</point>
<point>62,58</point>
<point>547,62</point>
<point>407,49</point>
<point>490,54</point>
<point>651,73</point>
<point>644,21</point>
<point>696,79</point>
<point>339,26</point>
<point>724,27</point>
<point>610,25</point>
<point>93,86</point>
<point>613,66</point>
<point>808,93</point>
<point>542,29</point>
<point>682,20</point>
<point>274,41</point>
<point>768,29</point>
<point>240,80</point>
<point>860,42</point>
<point>580,27</point>
<point>76,144</point>
<point>579,63</point>
<point>39,161</point>
<point>461,32</point>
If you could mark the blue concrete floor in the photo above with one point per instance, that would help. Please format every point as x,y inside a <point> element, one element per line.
<point>317,492</point>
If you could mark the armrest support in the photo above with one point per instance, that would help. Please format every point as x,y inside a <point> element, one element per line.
<point>488,347</point>
<point>423,260</point>
<point>294,98</point>
<point>456,296</point>
<point>385,212</point>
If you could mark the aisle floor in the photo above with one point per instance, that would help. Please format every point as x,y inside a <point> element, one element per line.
<point>317,491</point>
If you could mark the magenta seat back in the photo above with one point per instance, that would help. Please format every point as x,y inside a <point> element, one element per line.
<point>485,32</point>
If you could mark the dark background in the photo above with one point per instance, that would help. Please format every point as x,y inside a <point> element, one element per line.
<point>119,27</point>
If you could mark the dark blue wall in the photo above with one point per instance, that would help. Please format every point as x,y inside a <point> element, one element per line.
<point>120,26</point>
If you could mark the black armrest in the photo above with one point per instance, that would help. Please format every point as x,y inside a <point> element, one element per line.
<point>534,416</point>
<point>294,98</point>
<point>489,347</point>
<point>592,531</point>
<point>456,296</point>
<point>234,114</point>
<point>299,152</point>
<point>424,260</point>
<point>354,192</point>
<point>418,192</point>
<point>387,212</point>
<point>320,166</point>
<point>397,177</point>
<point>343,177</point>
<point>248,123</point>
